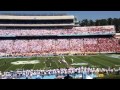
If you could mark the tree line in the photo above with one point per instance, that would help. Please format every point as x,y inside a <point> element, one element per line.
<point>100,22</point>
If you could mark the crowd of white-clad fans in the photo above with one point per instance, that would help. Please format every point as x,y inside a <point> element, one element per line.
<point>93,30</point>
<point>50,46</point>
<point>41,74</point>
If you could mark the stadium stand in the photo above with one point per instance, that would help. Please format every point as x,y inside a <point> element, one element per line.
<point>16,40</point>
<point>93,30</point>
<point>57,45</point>
<point>51,46</point>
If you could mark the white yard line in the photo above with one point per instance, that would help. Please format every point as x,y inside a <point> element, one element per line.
<point>40,62</point>
<point>81,59</point>
<point>2,64</point>
<point>56,64</point>
<point>34,66</point>
<point>72,60</point>
<point>45,63</point>
<point>50,64</point>
<point>8,61</point>
<point>8,68</point>
<point>23,64</point>
<point>65,61</point>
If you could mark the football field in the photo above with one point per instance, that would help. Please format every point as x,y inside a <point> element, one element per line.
<point>7,64</point>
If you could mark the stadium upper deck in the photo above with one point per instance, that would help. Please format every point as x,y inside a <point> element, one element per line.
<point>117,35</point>
<point>15,20</point>
<point>75,31</point>
<point>15,25</point>
<point>10,17</point>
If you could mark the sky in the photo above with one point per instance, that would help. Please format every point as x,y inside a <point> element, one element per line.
<point>79,14</point>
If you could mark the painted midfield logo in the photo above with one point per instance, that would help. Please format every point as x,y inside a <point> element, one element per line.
<point>25,62</point>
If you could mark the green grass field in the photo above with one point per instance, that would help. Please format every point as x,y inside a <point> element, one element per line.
<point>53,62</point>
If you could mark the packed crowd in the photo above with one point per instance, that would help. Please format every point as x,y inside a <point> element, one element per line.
<point>93,30</point>
<point>80,72</point>
<point>51,46</point>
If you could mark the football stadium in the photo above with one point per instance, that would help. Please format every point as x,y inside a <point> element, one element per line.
<point>54,47</point>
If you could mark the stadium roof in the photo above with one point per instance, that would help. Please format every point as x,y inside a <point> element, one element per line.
<point>34,14</point>
<point>12,17</point>
<point>118,34</point>
<point>30,25</point>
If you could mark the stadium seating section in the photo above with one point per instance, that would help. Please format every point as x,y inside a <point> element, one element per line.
<point>93,30</point>
<point>59,46</point>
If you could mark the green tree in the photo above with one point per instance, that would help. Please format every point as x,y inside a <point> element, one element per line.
<point>79,22</point>
<point>97,23</point>
<point>116,23</point>
<point>84,22</point>
<point>110,21</point>
<point>91,23</point>
<point>103,22</point>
